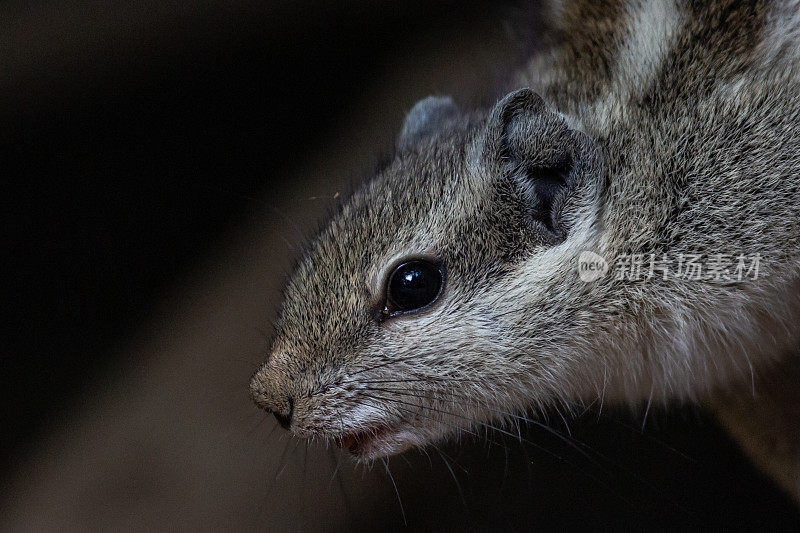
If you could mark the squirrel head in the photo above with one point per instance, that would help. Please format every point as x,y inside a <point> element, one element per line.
<point>401,324</point>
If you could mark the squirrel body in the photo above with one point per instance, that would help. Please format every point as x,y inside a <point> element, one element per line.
<point>647,136</point>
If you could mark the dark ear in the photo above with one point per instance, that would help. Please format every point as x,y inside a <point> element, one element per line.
<point>425,118</point>
<point>540,155</point>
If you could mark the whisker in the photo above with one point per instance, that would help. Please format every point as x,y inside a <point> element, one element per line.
<point>340,481</point>
<point>396,491</point>
<point>278,475</point>
<point>490,426</point>
<point>437,395</point>
<point>453,474</point>
<point>535,445</point>
<point>578,446</point>
<point>338,458</point>
<point>279,467</point>
<point>641,433</point>
<point>433,396</point>
<point>431,379</point>
<point>455,427</point>
<point>570,441</point>
<point>385,363</point>
<point>567,439</point>
<point>303,491</point>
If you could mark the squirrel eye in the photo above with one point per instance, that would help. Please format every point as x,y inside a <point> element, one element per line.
<point>412,286</point>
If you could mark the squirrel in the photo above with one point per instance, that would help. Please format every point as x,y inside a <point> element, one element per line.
<point>623,225</point>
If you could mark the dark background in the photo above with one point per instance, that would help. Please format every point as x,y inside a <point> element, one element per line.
<point>136,138</point>
<point>136,135</point>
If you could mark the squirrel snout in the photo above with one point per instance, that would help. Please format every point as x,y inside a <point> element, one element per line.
<point>285,420</point>
<point>269,399</point>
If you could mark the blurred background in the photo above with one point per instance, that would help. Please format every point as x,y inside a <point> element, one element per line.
<point>163,160</point>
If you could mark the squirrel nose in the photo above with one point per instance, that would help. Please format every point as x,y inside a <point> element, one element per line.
<point>285,420</point>
<point>272,399</point>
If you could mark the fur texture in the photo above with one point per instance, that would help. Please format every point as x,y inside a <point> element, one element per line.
<point>653,129</point>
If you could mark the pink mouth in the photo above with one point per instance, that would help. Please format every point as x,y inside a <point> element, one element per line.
<point>383,440</point>
<point>357,443</point>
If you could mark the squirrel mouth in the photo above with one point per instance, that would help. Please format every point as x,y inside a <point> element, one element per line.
<point>377,442</point>
<point>357,443</point>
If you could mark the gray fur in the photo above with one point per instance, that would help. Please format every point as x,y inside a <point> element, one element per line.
<point>425,118</point>
<point>681,128</point>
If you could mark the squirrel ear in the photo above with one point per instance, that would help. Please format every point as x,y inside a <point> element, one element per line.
<point>515,107</point>
<point>425,118</point>
<point>538,152</point>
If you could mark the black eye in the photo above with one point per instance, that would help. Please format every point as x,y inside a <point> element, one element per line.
<point>412,286</point>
